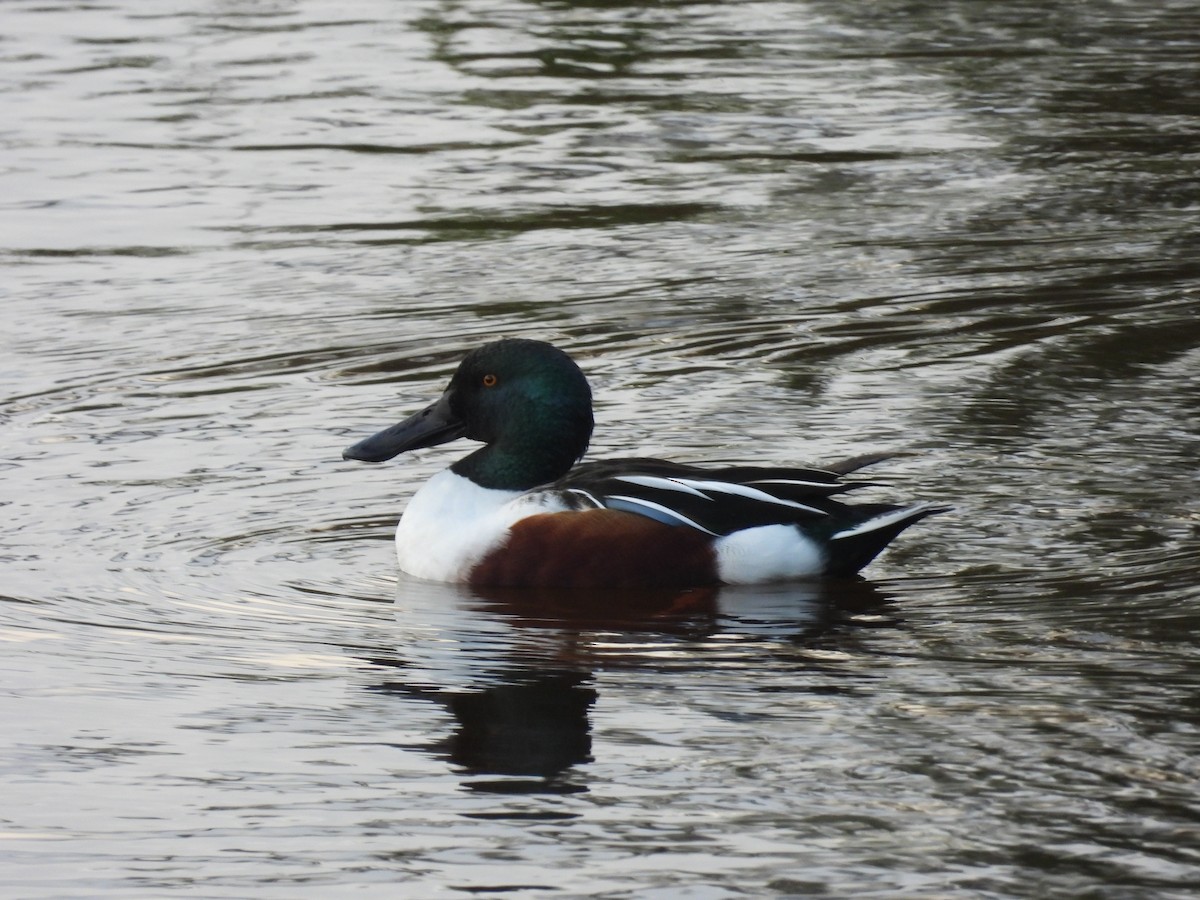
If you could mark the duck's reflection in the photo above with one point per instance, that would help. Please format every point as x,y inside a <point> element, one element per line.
<point>539,727</point>
<point>534,726</point>
<point>649,610</point>
<point>516,668</point>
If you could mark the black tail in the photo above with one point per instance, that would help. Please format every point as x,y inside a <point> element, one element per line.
<point>854,547</point>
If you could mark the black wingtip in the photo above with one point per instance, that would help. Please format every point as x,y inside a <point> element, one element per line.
<point>853,549</point>
<point>854,463</point>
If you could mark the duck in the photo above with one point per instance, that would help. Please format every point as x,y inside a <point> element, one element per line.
<point>522,511</point>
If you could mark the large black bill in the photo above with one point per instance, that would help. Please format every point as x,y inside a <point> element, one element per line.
<point>435,424</point>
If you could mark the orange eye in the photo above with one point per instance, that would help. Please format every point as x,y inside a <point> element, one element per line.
<point>489,380</point>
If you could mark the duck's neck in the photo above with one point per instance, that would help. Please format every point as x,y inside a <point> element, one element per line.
<point>519,467</point>
<point>538,450</point>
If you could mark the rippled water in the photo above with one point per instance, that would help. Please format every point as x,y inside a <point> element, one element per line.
<point>238,236</point>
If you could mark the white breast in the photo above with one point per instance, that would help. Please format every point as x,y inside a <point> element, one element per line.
<point>451,524</point>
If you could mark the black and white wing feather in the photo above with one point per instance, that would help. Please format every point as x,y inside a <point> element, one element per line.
<point>717,501</point>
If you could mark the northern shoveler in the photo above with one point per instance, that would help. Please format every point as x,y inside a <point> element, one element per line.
<point>520,512</point>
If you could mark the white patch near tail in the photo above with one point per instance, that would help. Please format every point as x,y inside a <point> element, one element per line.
<point>887,519</point>
<point>767,553</point>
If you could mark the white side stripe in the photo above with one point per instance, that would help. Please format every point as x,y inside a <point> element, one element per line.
<point>795,482</point>
<point>740,490</point>
<point>666,484</point>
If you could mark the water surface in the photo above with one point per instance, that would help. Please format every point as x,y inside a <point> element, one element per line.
<point>237,237</point>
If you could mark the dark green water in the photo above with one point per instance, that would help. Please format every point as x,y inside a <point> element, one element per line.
<point>234,237</point>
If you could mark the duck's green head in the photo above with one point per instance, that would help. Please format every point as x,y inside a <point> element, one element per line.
<point>526,400</point>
